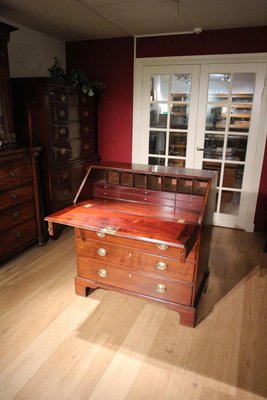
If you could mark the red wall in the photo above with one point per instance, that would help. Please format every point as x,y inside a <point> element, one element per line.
<point>111,61</point>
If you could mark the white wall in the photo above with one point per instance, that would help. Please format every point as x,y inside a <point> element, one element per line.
<point>31,52</point>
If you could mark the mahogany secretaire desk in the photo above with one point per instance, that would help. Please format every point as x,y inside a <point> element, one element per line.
<point>143,230</point>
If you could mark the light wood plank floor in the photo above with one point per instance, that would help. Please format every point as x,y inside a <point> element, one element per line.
<point>109,346</point>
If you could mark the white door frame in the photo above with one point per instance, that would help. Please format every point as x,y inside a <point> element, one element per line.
<point>141,63</point>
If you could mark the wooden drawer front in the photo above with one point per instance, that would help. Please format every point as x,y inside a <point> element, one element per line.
<point>16,215</point>
<point>62,97</point>
<point>64,113</point>
<point>138,261</point>
<point>18,236</point>
<point>16,196</point>
<point>133,194</point>
<point>163,266</point>
<point>135,282</point>
<point>194,203</point>
<point>65,175</point>
<point>15,174</point>
<point>61,132</point>
<point>105,252</point>
<point>143,246</point>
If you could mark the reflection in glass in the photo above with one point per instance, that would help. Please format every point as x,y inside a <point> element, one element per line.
<point>216,118</point>
<point>213,166</point>
<point>181,87</point>
<point>157,142</point>
<point>179,116</point>
<point>159,87</point>
<point>243,87</point>
<point>158,115</point>
<point>240,118</point>
<point>177,144</point>
<point>219,87</point>
<point>236,147</point>
<point>233,175</point>
<point>156,161</point>
<point>213,146</point>
<point>230,202</point>
<point>176,163</point>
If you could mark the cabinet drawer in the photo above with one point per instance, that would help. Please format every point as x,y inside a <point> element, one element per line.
<point>16,196</point>
<point>148,247</point>
<point>63,176</point>
<point>16,215</point>
<point>104,274</point>
<point>62,96</point>
<point>15,174</point>
<point>18,236</point>
<point>67,131</point>
<point>138,261</point>
<point>64,113</point>
<point>70,150</point>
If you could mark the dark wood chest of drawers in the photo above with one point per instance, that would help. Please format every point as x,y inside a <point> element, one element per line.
<point>20,212</point>
<point>145,231</point>
<point>63,122</point>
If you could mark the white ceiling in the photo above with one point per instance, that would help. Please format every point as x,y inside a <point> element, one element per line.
<point>71,20</point>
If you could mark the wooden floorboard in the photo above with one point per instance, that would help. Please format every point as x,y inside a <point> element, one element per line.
<point>109,346</point>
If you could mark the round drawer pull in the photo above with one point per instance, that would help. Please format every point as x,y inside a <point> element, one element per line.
<point>13,175</point>
<point>101,234</point>
<point>62,131</point>
<point>161,246</point>
<point>63,97</point>
<point>161,265</point>
<point>19,236</point>
<point>102,252</point>
<point>103,273</point>
<point>160,288</point>
<point>65,175</point>
<point>16,214</point>
<point>13,196</point>
<point>62,113</point>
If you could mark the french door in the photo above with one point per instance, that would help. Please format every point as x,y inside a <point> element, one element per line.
<point>206,117</point>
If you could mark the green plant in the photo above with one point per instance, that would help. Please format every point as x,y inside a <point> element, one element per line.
<point>77,78</point>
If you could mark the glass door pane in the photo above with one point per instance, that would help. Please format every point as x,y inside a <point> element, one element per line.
<point>170,97</point>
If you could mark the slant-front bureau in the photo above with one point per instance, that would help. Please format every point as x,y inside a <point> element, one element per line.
<point>143,230</point>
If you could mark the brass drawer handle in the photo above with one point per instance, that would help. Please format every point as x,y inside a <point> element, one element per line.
<point>13,175</point>
<point>62,113</point>
<point>102,252</point>
<point>65,175</point>
<point>103,273</point>
<point>160,288</point>
<point>162,246</point>
<point>13,196</point>
<point>62,131</point>
<point>101,234</point>
<point>63,97</point>
<point>19,236</point>
<point>16,214</point>
<point>161,265</point>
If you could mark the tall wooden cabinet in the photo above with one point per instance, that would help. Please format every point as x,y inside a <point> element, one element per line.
<point>20,211</point>
<point>63,122</point>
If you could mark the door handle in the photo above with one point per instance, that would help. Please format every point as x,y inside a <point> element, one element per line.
<point>200,149</point>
